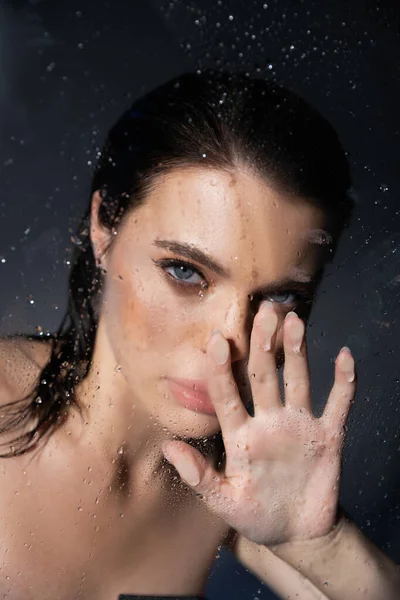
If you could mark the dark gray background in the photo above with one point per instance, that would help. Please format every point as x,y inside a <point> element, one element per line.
<point>69,68</point>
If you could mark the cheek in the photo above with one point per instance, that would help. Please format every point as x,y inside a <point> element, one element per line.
<point>137,316</point>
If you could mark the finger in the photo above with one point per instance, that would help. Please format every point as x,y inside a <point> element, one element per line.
<point>199,475</point>
<point>262,368</point>
<point>296,375</point>
<point>222,387</point>
<point>343,390</point>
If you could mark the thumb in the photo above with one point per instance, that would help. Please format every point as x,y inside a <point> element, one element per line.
<point>192,467</point>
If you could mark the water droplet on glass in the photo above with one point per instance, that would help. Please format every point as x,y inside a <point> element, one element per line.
<point>75,240</point>
<point>242,446</point>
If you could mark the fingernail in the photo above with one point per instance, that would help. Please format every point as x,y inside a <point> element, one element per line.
<point>188,471</point>
<point>268,325</point>
<point>164,448</point>
<point>290,314</point>
<point>297,334</point>
<point>347,364</point>
<point>219,348</point>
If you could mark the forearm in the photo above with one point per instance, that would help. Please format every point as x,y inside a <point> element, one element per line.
<point>344,564</point>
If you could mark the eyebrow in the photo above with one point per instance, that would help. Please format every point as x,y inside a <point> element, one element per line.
<point>194,253</point>
<point>303,281</point>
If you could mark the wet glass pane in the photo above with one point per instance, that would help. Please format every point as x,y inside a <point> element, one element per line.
<point>109,514</point>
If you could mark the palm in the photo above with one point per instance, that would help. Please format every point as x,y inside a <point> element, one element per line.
<point>283,474</point>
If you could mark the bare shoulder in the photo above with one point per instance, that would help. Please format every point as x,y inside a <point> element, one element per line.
<point>21,361</point>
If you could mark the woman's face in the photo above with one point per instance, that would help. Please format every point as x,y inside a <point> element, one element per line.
<point>201,254</point>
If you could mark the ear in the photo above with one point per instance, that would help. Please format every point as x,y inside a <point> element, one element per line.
<point>100,236</point>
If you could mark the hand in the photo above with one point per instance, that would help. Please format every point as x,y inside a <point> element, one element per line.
<point>281,479</point>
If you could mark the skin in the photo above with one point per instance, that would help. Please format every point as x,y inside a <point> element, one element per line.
<point>151,329</point>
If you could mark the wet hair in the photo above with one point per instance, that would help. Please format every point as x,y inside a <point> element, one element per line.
<point>214,120</point>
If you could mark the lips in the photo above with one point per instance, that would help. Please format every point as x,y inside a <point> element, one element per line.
<point>192,393</point>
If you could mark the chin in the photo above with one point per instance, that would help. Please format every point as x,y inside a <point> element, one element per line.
<point>186,424</point>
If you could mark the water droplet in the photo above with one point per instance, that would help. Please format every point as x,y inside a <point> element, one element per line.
<point>383,187</point>
<point>242,446</point>
<point>75,240</point>
<point>118,368</point>
<point>120,450</point>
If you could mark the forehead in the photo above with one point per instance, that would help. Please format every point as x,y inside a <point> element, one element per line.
<point>236,216</point>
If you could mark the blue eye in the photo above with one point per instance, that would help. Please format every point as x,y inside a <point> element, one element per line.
<point>285,296</point>
<point>183,272</point>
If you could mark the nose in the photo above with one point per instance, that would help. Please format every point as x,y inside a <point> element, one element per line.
<point>235,321</point>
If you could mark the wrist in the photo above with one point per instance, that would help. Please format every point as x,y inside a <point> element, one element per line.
<point>296,549</point>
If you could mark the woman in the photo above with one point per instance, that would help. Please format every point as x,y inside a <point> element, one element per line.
<point>130,454</point>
